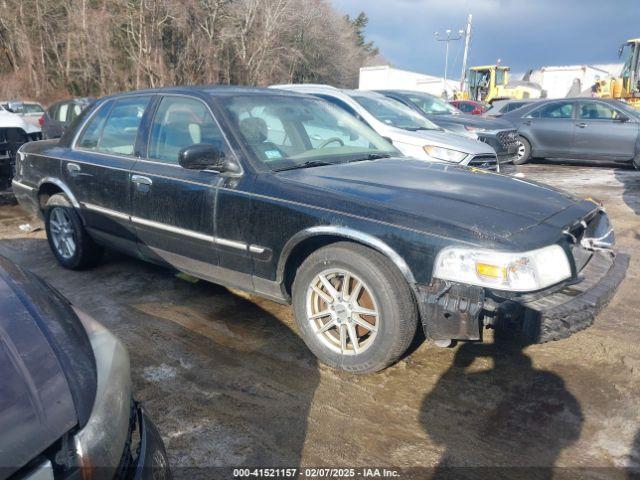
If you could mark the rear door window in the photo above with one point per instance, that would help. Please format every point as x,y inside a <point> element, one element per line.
<point>91,134</point>
<point>121,127</point>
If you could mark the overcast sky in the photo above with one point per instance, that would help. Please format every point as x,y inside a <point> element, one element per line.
<point>524,34</point>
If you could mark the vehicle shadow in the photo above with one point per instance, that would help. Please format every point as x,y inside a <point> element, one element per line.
<point>528,415</point>
<point>225,377</point>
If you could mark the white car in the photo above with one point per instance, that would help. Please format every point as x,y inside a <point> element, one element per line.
<point>411,133</point>
<point>32,112</point>
<point>14,131</point>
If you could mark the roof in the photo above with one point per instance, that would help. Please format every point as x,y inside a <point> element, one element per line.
<point>213,90</point>
<point>405,92</point>
<point>487,67</point>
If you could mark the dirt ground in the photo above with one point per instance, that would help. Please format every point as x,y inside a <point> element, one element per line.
<point>229,382</point>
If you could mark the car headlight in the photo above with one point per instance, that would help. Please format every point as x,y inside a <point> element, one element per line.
<point>513,271</point>
<point>444,154</point>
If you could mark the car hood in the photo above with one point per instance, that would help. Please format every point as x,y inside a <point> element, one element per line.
<point>42,399</point>
<point>441,138</point>
<point>457,202</point>
<point>474,121</point>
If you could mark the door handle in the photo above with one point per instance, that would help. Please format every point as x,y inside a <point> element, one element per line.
<point>140,180</point>
<point>73,169</point>
<point>581,124</point>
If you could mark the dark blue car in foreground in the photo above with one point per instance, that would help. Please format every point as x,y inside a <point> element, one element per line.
<point>66,408</point>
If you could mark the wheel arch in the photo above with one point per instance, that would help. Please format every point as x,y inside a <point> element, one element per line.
<point>527,137</point>
<point>302,244</point>
<point>50,186</point>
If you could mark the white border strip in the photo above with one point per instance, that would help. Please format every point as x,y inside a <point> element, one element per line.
<point>170,228</point>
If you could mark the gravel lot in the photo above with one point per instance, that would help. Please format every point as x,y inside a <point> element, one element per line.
<point>229,382</point>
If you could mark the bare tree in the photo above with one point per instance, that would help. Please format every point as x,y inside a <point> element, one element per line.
<point>53,48</point>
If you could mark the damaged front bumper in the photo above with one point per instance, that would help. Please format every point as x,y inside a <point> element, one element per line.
<point>454,311</point>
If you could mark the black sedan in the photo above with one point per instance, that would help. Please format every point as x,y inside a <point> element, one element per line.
<point>289,197</point>
<point>500,134</point>
<point>578,128</point>
<point>66,409</point>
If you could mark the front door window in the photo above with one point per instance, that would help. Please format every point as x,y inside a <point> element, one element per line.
<point>181,122</point>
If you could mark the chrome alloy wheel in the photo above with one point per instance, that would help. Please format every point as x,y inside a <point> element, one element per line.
<point>342,311</point>
<point>62,233</point>
<point>521,150</point>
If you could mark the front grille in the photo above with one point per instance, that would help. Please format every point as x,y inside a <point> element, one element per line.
<point>507,137</point>
<point>486,162</point>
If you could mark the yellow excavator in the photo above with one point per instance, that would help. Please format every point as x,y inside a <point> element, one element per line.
<point>627,86</point>
<point>488,83</point>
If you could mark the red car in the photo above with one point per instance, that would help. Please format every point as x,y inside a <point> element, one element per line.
<point>470,107</point>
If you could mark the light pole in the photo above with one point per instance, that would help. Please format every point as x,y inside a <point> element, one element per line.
<point>447,38</point>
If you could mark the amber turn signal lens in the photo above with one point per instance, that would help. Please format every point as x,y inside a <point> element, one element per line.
<point>491,271</point>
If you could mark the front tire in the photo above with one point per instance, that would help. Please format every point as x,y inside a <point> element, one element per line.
<point>69,241</point>
<point>354,308</point>
<point>523,154</point>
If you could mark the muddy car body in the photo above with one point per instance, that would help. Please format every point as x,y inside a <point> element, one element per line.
<point>66,409</point>
<point>321,214</point>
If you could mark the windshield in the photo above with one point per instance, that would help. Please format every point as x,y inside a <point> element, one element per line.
<point>296,132</point>
<point>431,105</point>
<point>394,113</point>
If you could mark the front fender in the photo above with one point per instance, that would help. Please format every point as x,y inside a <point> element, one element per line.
<point>348,234</point>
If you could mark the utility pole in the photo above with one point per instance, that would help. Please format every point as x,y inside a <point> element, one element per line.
<point>447,38</point>
<point>467,41</point>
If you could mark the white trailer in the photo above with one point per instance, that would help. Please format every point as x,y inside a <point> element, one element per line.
<point>386,77</point>
<point>559,81</point>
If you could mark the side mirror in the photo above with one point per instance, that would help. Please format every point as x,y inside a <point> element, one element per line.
<point>201,156</point>
<point>621,118</point>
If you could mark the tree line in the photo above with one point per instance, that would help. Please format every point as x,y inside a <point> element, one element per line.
<point>55,48</point>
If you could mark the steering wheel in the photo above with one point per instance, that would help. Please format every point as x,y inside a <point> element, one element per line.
<point>330,141</point>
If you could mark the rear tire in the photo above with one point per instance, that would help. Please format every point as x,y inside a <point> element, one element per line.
<point>69,241</point>
<point>523,154</point>
<point>336,291</point>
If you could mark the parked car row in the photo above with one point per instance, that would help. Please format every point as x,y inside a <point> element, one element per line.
<point>410,132</point>
<point>22,122</point>
<point>368,242</point>
<point>500,135</point>
<point>14,131</point>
